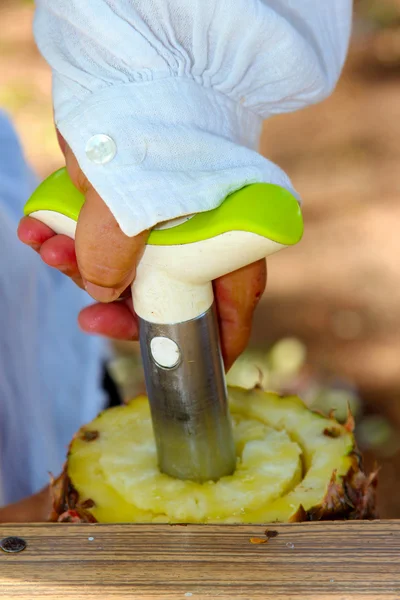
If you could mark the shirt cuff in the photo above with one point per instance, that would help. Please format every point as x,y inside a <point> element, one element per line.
<point>163,149</point>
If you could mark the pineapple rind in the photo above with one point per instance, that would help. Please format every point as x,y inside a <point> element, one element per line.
<point>290,461</point>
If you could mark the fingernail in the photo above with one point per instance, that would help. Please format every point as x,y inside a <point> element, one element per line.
<point>101,294</point>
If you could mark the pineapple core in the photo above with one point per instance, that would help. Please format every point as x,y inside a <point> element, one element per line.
<point>285,458</point>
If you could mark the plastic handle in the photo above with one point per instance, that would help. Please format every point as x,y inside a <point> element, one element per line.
<point>174,275</point>
<point>263,209</point>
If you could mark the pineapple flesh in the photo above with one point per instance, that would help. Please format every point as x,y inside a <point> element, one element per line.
<point>292,464</point>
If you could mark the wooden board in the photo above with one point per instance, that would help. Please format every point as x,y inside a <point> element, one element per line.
<point>305,561</point>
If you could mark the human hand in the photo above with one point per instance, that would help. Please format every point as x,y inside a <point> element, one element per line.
<point>34,509</point>
<point>103,261</point>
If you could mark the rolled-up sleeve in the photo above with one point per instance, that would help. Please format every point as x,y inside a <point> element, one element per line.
<point>162,101</point>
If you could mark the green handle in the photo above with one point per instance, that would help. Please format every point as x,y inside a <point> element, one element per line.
<point>264,209</point>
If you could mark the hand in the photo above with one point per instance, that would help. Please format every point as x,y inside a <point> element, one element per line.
<point>35,509</point>
<point>103,261</point>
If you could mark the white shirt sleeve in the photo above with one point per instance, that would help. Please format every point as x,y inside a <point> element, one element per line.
<point>180,89</point>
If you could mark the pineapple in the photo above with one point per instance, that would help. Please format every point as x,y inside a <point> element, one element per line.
<point>292,465</point>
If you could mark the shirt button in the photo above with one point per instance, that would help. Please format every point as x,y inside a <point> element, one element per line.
<point>100,149</point>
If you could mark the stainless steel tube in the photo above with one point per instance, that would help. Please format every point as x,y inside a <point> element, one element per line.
<point>185,382</point>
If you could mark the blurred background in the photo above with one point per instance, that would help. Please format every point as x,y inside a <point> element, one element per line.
<point>329,325</point>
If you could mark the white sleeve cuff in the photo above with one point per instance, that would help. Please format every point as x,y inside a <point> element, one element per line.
<point>176,148</point>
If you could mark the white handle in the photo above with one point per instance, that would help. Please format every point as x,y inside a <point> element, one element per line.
<point>172,286</point>
<point>174,283</point>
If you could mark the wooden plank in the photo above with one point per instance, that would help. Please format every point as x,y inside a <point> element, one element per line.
<point>305,561</point>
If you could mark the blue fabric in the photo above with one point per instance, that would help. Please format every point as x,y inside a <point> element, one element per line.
<point>50,372</point>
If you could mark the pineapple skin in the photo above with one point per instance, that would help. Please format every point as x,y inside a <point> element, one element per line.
<point>311,470</point>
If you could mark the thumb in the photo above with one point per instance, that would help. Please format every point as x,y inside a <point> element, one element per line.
<point>106,257</point>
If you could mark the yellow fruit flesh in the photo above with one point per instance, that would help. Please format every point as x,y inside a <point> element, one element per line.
<point>284,459</point>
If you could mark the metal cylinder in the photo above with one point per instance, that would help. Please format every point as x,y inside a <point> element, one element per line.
<point>186,386</point>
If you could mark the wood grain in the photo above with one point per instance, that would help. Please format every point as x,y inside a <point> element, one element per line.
<point>305,561</point>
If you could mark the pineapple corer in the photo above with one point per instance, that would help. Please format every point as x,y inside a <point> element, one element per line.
<point>173,299</point>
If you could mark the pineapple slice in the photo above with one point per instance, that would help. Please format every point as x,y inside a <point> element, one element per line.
<point>292,464</point>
